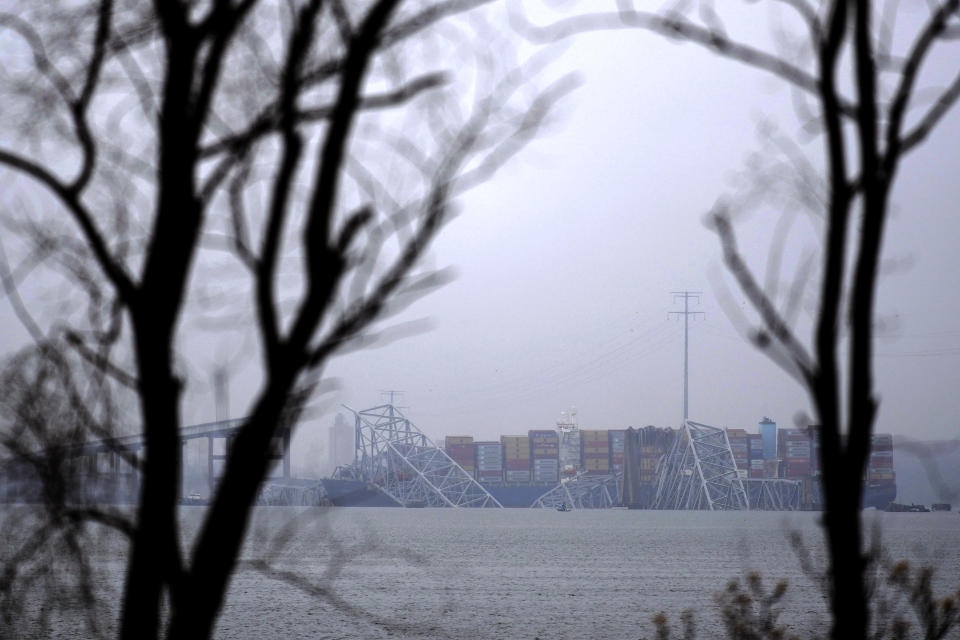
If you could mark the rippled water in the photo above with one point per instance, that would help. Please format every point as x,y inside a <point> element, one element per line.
<point>537,573</point>
<point>520,573</point>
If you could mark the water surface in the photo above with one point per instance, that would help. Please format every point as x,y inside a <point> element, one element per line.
<point>353,573</point>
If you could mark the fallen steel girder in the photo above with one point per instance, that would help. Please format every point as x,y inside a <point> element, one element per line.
<point>289,492</point>
<point>583,492</point>
<point>773,494</point>
<point>396,457</point>
<point>699,472</point>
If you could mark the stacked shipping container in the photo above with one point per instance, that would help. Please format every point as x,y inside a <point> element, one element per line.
<point>794,449</point>
<point>569,451</point>
<point>460,450</point>
<point>545,450</point>
<point>880,465</point>
<point>739,444</point>
<point>755,445</point>
<point>489,461</point>
<point>537,457</point>
<point>596,452</point>
<point>516,458</point>
<point>649,459</point>
<point>616,440</point>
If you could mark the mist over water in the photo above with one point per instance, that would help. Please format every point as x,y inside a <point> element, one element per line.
<point>519,573</point>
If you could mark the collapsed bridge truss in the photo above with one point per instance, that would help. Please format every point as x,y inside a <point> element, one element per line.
<point>690,468</point>
<point>583,492</point>
<point>396,457</point>
<point>773,494</point>
<point>699,472</point>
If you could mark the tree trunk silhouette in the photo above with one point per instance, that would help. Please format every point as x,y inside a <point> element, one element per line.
<point>232,95</point>
<point>865,136</point>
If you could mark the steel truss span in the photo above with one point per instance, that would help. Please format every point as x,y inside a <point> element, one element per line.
<point>699,472</point>
<point>773,494</point>
<point>291,492</point>
<point>582,492</point>
<point>396,457</point>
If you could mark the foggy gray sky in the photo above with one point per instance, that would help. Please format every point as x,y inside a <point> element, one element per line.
<point>567,258</point>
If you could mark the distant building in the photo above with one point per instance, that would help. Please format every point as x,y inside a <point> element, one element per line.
<point>342,442</point>
<point>768,432</point>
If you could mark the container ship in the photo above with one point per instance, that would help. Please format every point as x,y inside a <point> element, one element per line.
<point>518,469</point>
<point>881,485</point>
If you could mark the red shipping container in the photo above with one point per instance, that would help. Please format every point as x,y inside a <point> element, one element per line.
<point>460,449</point>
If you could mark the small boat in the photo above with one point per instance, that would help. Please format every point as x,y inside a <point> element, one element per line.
<point>563,507</point>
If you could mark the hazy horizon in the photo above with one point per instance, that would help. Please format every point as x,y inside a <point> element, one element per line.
<point>567,258</point>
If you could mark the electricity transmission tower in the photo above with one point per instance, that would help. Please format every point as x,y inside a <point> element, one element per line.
<point>686,313</point>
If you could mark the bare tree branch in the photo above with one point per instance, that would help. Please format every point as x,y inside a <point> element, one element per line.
<point>126,379</point>
<point>291,153</point>
<point>908,77</point>
<point>771,317</point>
<point>13,295</point>
<point>676,26</point>
<point>80,106</point>
<point>43,63</point>
<point>922,129</point>
<point>70,200</point>
<point>269,120</point>
<point>322,265</point>
<point>188,67</point>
